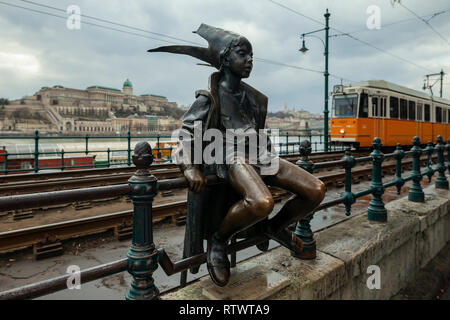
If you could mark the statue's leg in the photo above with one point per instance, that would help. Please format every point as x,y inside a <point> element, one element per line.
<point>256,204</point>
<point>308,191</point>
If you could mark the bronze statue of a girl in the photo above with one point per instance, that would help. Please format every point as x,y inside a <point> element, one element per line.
<point>231,104</point>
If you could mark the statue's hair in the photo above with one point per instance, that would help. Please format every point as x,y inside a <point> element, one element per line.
<point>226,53</point>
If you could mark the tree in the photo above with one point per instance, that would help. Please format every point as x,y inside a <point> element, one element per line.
<point>4,101</point>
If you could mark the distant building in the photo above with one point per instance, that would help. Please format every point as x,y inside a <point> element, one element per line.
<point>97,109</point>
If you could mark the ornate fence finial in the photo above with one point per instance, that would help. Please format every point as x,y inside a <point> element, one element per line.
<point>415,192</point>
<point>447,147</point>
<point>376,143</point>
<point>441,180</point>
<point>429,172</point>
<point>142,156</point>
<point>399,155</point>
<point>142,256</point>
<point>305,151</point>
<point>376,210</point>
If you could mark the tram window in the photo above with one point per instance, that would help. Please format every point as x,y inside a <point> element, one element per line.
<point>438,114</point>
<point>412,110</point>
<point>419,111</point>
<point>383,103</point>
<point>345,106</point>
<point>375,107</point>
<point>444,115</point>
<point>364,106</point>
<point>393,107</point>
<point>403,109</point>
<point>427,112</point>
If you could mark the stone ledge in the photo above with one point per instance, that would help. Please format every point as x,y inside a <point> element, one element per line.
<point>414,233</point>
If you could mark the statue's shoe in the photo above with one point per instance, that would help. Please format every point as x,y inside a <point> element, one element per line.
<point>217,261</point>
<point>263,246</point>
<point>286,238</point>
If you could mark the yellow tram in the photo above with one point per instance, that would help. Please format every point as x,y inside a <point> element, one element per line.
<point>376,108</point>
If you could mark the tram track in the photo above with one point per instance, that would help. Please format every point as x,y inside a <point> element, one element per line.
<point>15,184</point>
<point>120,222</point>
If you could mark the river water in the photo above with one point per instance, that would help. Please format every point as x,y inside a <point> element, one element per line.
<point>119,145</point>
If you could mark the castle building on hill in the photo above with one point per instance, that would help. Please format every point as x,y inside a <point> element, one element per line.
<point>95,109</point>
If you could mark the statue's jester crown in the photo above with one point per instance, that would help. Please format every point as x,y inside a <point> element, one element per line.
<point>219,41</point>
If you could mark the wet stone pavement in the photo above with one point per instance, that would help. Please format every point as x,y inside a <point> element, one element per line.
<point>20,268</point>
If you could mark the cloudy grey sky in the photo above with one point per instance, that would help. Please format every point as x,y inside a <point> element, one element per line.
<point>39,50</point>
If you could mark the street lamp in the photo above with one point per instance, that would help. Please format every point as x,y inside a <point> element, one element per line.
<point>303,49</point>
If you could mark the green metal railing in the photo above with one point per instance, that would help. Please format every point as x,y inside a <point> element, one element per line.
<point>63,154</point>
<point>291,145</point>
<point>143,257</point>
<point>293,140</point>
<point>376,210</point>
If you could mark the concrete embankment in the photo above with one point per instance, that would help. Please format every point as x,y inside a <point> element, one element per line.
<point>351,253</point>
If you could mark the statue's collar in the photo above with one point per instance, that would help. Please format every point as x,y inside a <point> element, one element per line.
<point>255,97</point>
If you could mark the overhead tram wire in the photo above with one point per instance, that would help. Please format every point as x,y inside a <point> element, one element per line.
<point>287,65</point>
<point>296,12</point>
<point>147,37</point>
<point>352,37</point>
<point>427,23</point>
<point>174,38</point>
<point>300,68</point>
<point>86,22</point>
<point>111,22</point>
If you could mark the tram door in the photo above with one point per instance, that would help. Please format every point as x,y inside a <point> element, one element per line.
<point>379,116</point>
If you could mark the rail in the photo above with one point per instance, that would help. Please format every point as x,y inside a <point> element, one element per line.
<point>143,258</point>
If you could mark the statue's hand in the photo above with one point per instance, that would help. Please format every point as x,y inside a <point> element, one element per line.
<point>195,178</point>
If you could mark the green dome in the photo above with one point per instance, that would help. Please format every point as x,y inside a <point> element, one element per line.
<point>128,83</point>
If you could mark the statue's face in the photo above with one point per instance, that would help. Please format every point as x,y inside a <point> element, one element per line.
<point>240,59</point>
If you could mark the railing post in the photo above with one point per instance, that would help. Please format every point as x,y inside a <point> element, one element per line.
<point>158,152</point>
<point>129,148</point>
<point>142,256</point>
<point>447,147</point>
<point>87,143</point>
<point>376,210</point>
<point>303,227</point>
<point>348,194</point>
<point>415,192</point>
<point>441,180</point>
<point>62,160</point>
<point>429,151</point>
<point>287,142</point>
<point>399,155</point>
<point>36,151</point>
<point>109,157</point>
<point>170,154</point>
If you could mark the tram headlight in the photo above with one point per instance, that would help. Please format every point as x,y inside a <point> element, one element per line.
<point>342,131</point>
